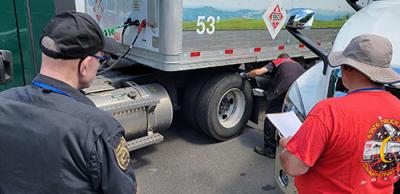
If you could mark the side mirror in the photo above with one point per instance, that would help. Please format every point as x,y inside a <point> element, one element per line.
<point>300,18</point>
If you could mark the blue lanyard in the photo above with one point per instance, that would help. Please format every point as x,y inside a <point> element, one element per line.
<point>51,88</point>
<point>366,89</point>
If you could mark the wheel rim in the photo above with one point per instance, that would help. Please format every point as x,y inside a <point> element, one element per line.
<point>231,108</point>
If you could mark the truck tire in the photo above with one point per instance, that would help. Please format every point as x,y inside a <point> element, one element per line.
<point>224,106</point>
<point>190,101</point>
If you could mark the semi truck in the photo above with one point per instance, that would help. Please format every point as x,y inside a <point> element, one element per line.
<point>322,81</point>
<point>169,56</point>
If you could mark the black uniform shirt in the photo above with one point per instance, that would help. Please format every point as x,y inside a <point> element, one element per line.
<point>283,77</point>
<point>53,143</point>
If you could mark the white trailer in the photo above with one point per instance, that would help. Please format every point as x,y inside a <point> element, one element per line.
<point>187,58</point>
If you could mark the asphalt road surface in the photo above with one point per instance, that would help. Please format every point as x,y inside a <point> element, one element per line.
<point>188,162</point>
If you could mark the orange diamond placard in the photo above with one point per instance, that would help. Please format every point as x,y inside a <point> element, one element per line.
<point>275,17</point>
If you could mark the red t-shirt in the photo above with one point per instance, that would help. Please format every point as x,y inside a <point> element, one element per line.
<point>341,141</point>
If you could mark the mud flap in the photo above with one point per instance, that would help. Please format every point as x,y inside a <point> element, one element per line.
<point>259,108</point>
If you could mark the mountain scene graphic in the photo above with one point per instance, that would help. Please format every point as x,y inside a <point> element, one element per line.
<point>252,19</point>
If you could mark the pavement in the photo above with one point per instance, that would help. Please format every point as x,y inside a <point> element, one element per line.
<point>189,162</point>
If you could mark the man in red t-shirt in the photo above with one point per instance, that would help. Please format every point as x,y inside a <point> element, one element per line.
<point>351,144</point>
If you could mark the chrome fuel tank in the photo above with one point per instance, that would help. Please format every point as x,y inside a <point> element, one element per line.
<point>138,108</point>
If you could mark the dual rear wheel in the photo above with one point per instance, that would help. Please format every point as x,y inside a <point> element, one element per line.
<point>220,105</point>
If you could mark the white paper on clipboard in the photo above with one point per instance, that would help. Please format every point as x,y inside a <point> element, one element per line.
<point>286,123</point>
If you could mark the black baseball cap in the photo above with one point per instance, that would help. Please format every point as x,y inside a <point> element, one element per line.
<point>76,35</point>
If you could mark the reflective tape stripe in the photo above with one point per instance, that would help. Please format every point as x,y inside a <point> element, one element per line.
<point>229,52</point>
<point>195,54</point>
<point>256,50</point>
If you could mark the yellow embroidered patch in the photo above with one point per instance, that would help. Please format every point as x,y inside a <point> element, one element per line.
<point>122,154</point>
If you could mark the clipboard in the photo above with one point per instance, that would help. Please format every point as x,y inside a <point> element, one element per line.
<point>287,123</point>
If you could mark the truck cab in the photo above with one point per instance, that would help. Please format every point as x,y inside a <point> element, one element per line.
<point>322,81</point>
<point>20,29</point>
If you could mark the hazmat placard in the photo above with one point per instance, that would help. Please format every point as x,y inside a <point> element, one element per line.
<point>275,17</point>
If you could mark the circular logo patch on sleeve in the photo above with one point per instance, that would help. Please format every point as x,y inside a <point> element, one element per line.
<point>122,154</point>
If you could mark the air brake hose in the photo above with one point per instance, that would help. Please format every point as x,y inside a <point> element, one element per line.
<point>140,28</point>
<point>127,23</point>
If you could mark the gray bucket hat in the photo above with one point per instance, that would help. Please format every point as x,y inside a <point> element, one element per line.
<point>371,55</point>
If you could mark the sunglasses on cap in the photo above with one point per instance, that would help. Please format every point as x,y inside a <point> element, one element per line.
<point>101,59</point>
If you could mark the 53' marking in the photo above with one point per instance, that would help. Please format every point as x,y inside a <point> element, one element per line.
<point>202,22</point>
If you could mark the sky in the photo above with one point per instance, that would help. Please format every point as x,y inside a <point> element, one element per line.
<point>262,4</point>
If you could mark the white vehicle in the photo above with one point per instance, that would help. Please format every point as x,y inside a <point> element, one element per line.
<point>322,81</point>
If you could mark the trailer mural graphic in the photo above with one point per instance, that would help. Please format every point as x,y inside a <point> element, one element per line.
<point>209,16</point>
<point>111,14</point>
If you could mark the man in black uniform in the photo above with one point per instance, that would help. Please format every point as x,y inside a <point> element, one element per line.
<point>284,71</point>
<point>52,137</point>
